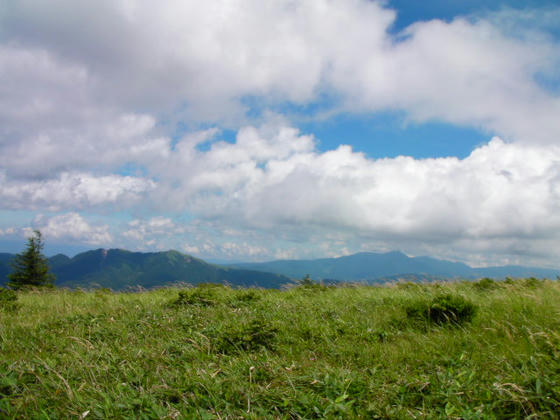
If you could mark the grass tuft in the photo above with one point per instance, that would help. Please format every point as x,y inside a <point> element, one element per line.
<point>485,284</point>
<point>248,336</point>
<point>201,296</point>
<point>8,300</point>
<point>443,309</point>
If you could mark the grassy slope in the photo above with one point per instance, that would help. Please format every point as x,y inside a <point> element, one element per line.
<point>304,353</point>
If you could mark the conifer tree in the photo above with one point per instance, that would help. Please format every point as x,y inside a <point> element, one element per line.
<point>31,268</point>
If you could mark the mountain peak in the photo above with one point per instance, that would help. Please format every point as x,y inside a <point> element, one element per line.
<point>371,266</point>
<point>118,269</point>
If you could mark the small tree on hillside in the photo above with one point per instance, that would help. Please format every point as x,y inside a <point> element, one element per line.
<point>306,281</point>
<point>31,268</point>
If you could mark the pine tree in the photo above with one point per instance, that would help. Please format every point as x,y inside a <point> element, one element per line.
<point>306,281</point>
<point>31,268</point>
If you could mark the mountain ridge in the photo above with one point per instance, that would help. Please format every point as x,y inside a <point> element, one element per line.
<point>370,266</point>
<point>119,269</point>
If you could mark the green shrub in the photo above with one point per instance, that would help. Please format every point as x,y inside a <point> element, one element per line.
<point>102,294</point>
<point>244,297</point>
<point>251,336</point>
<point>215,286</point>
<point>532,283</point>
<point>443,309</point>
<point>8,300</point>
<point>197,296</point>
<point>509,280</point>
<point>484,284</point>
<point>408,285</point>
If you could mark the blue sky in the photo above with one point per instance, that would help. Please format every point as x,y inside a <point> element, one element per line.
<point>250,130</point>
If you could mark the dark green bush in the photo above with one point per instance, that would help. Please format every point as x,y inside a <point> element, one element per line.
<point>244,297</point>
<point>8,299</point>
<point>247,295</point>
<point>250,336</point>
<point>212,286</point>
<point>408,285</point>
<point>485,283</point>
<point>532,283</point>
<point>509,280</point>
<point>443,309</point>
<point>103,293</point>
<point>201,296</point>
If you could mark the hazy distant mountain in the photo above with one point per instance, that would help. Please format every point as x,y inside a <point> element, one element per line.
<point>369,266</point>
<point>118,269</point>
<point>5,268</point>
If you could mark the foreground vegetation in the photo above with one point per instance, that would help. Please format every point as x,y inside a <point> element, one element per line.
<point>457,350</point>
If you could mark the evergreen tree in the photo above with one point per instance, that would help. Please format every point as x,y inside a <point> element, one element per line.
<point>31,268</point>
<point>306,281</point>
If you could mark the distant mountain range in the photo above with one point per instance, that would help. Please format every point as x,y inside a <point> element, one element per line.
<point>118,269</point>
<point>373,267</point>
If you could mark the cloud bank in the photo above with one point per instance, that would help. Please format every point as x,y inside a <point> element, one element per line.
<point>501,197</point>
<point>106,107</point>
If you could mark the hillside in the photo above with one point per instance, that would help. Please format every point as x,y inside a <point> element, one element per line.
<point>213,352</point>
<point>118,269</point>
<point>374,267</point>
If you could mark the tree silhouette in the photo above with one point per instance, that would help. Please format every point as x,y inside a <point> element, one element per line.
<point>306,281</point>
<point>31,268</point>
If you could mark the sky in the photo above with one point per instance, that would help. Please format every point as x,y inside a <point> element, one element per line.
<point>255,130</point>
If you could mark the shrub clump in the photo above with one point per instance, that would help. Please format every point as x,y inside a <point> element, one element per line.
<point>532,283</point>
<point>485,284</point>
<point>251,336</point>
<point>8,300</point>
<point>244,297</point>
<point>308,285</point>
<point>200,296</point>
<point>443,309</point>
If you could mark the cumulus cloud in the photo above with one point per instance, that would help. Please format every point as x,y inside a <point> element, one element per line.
<point>72,190</point>
<point>150,232</point>
<point>200,61</point>
<point>89,89</point>
<point>275,180</point>
<point>73,227</point>
<point>272,193</point>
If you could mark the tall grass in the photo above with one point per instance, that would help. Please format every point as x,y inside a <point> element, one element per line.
<point>308,352</point>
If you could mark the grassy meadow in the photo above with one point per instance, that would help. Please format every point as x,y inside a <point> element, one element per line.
<point>456,350</point>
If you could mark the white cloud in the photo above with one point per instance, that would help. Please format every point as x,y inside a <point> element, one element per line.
<point>276,181</point>
<point>8,231</point>
<point>142,231</point>
<point>73,227</point>
<point>89,88</point>
<point>243,249</point>
<point>199,61</point>
<point>72,190</point>
<point>190,249</point>
<point>272,193</point>
<point>52,119</point>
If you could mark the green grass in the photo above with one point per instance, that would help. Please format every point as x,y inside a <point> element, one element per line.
<point>308,352</point>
